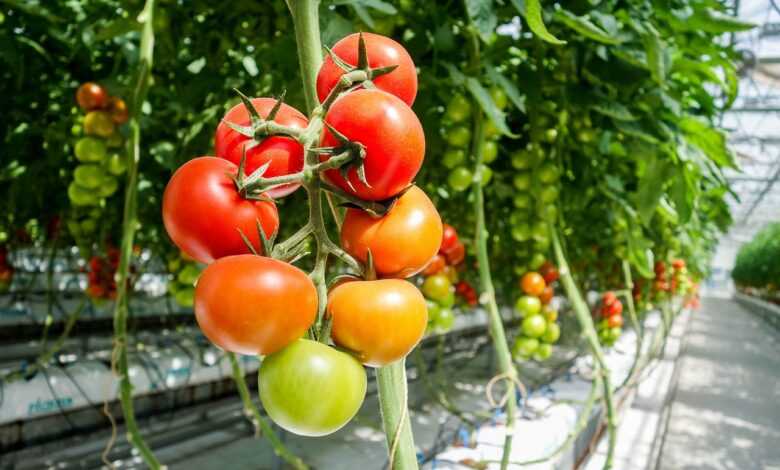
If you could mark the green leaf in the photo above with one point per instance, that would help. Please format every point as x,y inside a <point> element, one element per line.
<point>482,14</point>
<point>712,21</point>
<point>585,27</point>
<point>378,5</point>
<point>117,27</point>
<point>639,254</point>
<point>614,110</point>
<point>711,141</point>
<point>196,65</point>
<point>635,129</point>
<point>508,86</point>
<point>655,50</point>
<point>488,105</point>
<point>651,187</point>
<point>532,11</point>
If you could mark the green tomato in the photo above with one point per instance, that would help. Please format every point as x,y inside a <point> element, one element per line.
<point>534,326</point>
<point>433,309</point>
<point>552,333</point>
<point>76,130</point>
<point>115,164</point>
<point>115,140</point>
<point>453,158</point>
<point>445,320</point>
<point>537,260</point>
<point>486,175</point>
<point>521,160</point>
<point>529,306</point>
<point>460,178</point>
<point>614,333</point>
<point>189,274</point>
<point>547,212</point>
<point>288,377</point>
<point>499,97</point>
<point>547,173</point>
<point>437,287</point>
<point>539,231</point>
<point>90,149</point>
<point>489,151</point>
<point>521,232</point>
<point>522,181</point>
<point>88,226</point>
<point>459,136</point>
<point>185,297</point>
<point>88,176</point>
<point>541,245</point>
<point>448,301</point>
<point>550,135</point>
<point>80,196</point>
<point>522,200</point>
<point>458,109</point>
<point>548,194</point>
<point>108,186</point>
<point>524,347</point>
<point>490,130</point>
<point>543,352</point>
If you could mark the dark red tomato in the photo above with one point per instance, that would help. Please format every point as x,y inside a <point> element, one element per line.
<point>546,295</point>
<point>203,211</point>
<point>436,264</point>
<point>393,138</point>
<point>449,237</point>
<point>660,268</point>
<point>284,153</point>
<point>254,305</point>
<point>402,242</point>
<point>549,272</point>
<point>608,298</point>
<point>382,52</point>
<point>456,254</point>
<point>91,96</point>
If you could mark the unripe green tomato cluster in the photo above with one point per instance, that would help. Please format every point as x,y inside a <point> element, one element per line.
<point>457,133</point>
<point>538,330</point>
<point>184,273</point>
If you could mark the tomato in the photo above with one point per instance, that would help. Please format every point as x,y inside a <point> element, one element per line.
<point>435,265</point>
<point>116,164</point>
<point>91,96</point>
<point>522,200</point>
<point>382,52</point>
<point>437,287</point>
<point>522,181</point>
<point>460,178</point>
<point>521,231</point>
<point>539,232</point>
<point>615,321</point>
<point>185,297</point>
<point>660,268</point>
<point>456,254</point>
<point>453,158</point>
<point>521,160</point>
<point>108,185</point>
<point>444,320</point>
<point>402,242</point>
<point>80,196</point>
<point>448,301</point>
<point>203,211</point>
<point>546,295</point>
<point>115,140</point>
<point>547,212</point>
<point>393,139</point>
<point>499,97</point>
<point>285,154</point>
<point>549,314</point>
<point>615,308</point>
<point>288,379</point>
<point>534,326</point>
<point>528,305</point>
<point>380,321</point>
<point>608,298</point>
<point>458,109</point>
<point>614,333</point>
<point>489,151</point>
<point>449,237</point>
<point>459,136</point>
<point>486,174</point>
<point>552,333</point>
<point>98,123</point>
<point>678,264</point>
<point>90,149</point>
<point>543,352</point>
<point>547,173</point>
<point>117,109</point>
<point>88,176</point>
<point>532,283</point>
<point>525,347</point>
<point>228,295</point>
<point>549,272</point>
<point>548,194</point>
<point>450,272</point>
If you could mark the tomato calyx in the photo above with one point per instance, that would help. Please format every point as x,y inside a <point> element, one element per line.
<point>374,208</point>
<point>352,153</point>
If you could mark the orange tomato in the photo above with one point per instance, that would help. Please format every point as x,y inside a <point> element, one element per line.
<point>437,264</point>
<point>254,305</point>
<point>546,295</point>
<point>402,242</point>
<point>615,321</point>
<point>532,283</point>
<point>380,321</point>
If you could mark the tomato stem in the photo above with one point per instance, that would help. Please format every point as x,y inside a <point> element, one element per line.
<point>638,327</point>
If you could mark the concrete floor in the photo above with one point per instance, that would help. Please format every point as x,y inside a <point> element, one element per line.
<point>725,411</point>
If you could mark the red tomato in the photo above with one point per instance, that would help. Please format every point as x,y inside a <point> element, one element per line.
<point>549,272</point>
<point>203,211</point>
<point>546,295</point>
<point>381,321</point>
<point>91,96</point>
<point>284,153</point>
<point>382,52</point>
<point>678,264</point>
<point>456,254</point>
<point>449,238</point>
<point>615,308</point>
<point>532,283</point>
<point>436,264</point>
<point>393,139</point>
<point>615,321</point>
<point>254,305</point>
<point>660,268</point>
<point>402,242</point>
<point>608,298</point>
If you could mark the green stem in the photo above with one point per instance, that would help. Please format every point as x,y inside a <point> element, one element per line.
<point>261,425</point>
<point>582,312</point>
<point>306,18</point>
<point>634,321</point>
<point>129,223</point>
<point>391,384</point>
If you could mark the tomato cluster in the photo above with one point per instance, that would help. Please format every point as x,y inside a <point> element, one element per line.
<point>6,269</point>
<point>661,288</point>
<point>247,301</point>
<point>184,274</point>
<point>101,156</point>
<point>539,330</point>
<point>441,282</point>
<point>101,270</point>
<point>610,319</point>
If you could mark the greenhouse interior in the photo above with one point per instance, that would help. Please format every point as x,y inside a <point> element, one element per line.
<point>387,234</point>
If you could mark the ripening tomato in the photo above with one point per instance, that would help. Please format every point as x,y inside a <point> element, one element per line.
<point>546,295</point>
<point>285,154</point>
<point>456,254</point>
<point>449,237</point>
<point>532,283</point>
<point>91,96</point>
<point>203,211</point>
<point>437,287</point>
<point>393,138</point>
<point>380,321</point>
<point>608,298</point>
<point>381,52</point>
<point>254,305</point>
<point>435,265</point>
<point>98,123</point>
<point>117,109</point>
<point>402,242</point>
<point>678,264</point>
<point>288,378</point>
<point>549,272</point>
<point>615,321</point>
<point>615,308</point>
<point>660,268</point>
